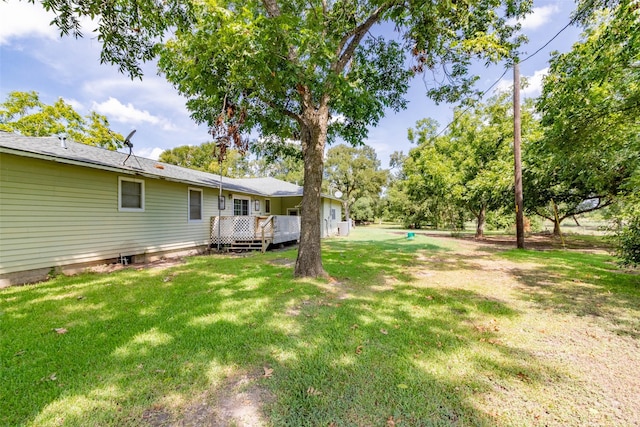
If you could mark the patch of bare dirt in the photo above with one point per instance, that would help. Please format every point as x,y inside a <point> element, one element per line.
<point>241,404</point>
<point>160,264</point>
<point>238,403</point>
<point>157,417</point>
<point>286,262</point>
<point>337,289</point>
<point>538,241</point>
<point>572,356</point>
<point>605,384</point>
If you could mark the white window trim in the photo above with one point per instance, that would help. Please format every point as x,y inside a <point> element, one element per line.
<point>189,190</point>
<point>140,181</point>
<point>233,209</point>
<point>265,206</point>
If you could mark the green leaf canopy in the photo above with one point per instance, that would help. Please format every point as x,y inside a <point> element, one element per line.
<point>590,106</point>
<point>25,113</point>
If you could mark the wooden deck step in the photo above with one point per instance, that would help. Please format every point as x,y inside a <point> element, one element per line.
<point>246,245</point>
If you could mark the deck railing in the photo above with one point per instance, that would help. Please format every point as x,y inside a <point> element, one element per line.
<point>286,228</point>
<point>230,230</point>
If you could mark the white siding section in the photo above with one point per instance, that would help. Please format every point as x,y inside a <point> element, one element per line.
<point>330,225</point>
<point>52,214</point>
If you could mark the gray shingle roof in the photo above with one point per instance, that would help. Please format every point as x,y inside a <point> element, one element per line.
<point>100,158</point>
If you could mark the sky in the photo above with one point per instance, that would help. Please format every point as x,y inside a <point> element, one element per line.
<point>33,57</point>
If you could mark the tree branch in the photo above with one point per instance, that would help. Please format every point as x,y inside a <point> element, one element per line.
<point>575,210</point>
<point>272,8</point>
<point>353,38</point>
<point>282,109</point>
<point>473,211</point>
<point>535,211</point>
<point>325,11</point>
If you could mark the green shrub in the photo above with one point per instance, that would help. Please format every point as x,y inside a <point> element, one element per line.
<point>500,220</point>
<point>628,242</point>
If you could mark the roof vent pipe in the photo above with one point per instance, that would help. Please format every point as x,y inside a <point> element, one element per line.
<point>63,141</point>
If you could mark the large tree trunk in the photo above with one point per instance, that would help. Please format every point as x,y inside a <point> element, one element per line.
<point>480,220</point>
<point>313,138</point>
<point>556,228</point>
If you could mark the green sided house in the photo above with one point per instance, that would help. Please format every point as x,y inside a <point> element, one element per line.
<point>65,206</point>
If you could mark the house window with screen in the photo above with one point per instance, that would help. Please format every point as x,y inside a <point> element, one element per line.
<point>333,213</point>
<point>267,205</point>
<point>195,204</point>
<point>240,207</point>
<point>130,195</point>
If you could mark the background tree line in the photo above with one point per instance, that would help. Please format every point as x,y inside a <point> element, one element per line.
<point>581,144</point>
<point>25,113</point>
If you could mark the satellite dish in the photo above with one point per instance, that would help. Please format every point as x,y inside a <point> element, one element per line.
<point>338,194</point>
<point>127,140</point>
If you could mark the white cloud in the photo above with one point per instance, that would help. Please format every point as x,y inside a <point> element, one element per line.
<point>539,16</point>
<point>504,85</point>
<point>149,152</point>
<point>22,19</point>
<point>380,147</point>
<point>77,105</point>
<point>340,118</point>
<point>119,112</point>
<point>152,90</point>
<point>535,83</point>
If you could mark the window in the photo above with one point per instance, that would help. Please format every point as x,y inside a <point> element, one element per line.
<point>195,204</point>
<point>130,195</point>
<point>267,205</point>
<point>240,207</point>
<point>333,213</point>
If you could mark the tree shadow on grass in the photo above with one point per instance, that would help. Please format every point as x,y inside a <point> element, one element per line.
<point>418,357</point>
<point>583,285</point>
<point>131,339</point>
<point>137,341</point>
<point>362,261</point>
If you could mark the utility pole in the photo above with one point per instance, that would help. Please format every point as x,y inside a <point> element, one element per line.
<point>517,157</point>
<point>220,204</point>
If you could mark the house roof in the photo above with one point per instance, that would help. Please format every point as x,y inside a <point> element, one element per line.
<point>51,148</point>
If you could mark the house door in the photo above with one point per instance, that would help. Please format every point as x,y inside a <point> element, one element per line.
<point>243,226</point>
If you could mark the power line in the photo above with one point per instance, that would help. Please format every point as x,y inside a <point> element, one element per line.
<point>570,23</point>
<point>482,94</point>
<point>550,40</point>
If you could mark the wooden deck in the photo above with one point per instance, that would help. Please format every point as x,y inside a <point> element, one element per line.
<point>253,232</point>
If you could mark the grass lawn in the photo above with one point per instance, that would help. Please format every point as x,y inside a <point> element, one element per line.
<point>430,331</point>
